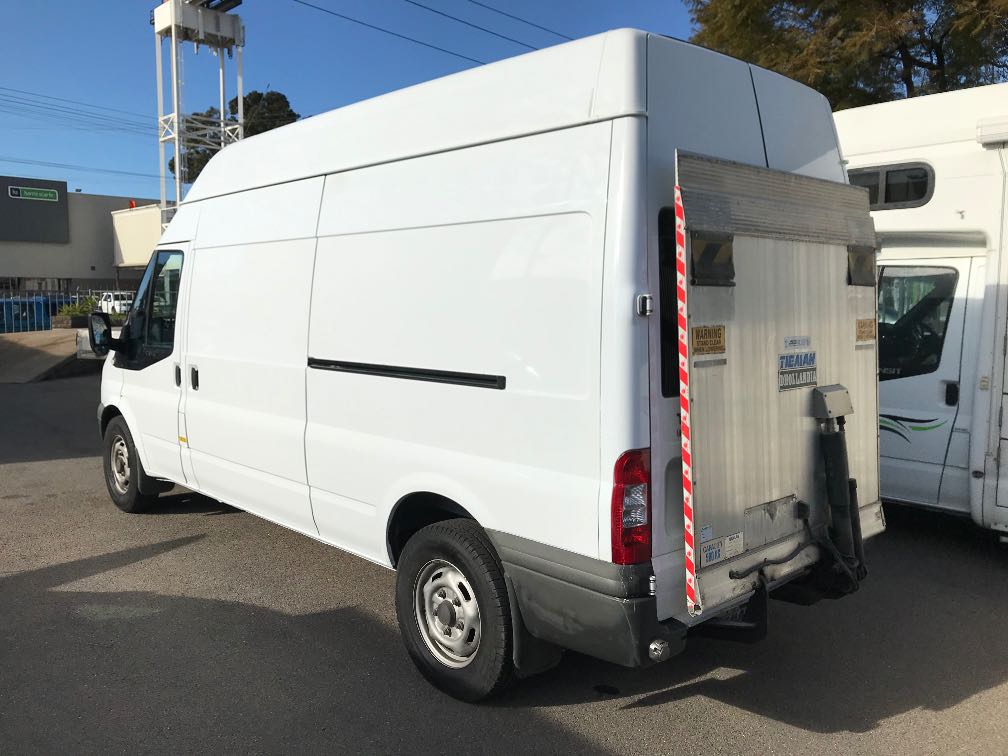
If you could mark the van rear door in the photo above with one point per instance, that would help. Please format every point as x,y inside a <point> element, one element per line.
<point>767,290</point>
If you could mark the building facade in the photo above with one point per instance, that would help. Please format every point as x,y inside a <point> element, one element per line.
<point>53,239</point>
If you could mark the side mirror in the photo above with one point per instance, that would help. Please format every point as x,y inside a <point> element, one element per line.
<point>100,333</point>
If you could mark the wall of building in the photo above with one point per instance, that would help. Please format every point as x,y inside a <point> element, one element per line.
<point>87,256</point>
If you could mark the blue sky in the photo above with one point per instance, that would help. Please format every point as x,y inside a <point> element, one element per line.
<point>102,53</point>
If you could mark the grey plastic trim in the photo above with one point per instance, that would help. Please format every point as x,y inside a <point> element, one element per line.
<point>616,580</point>
<point>477,380</point>
<point>722,196</point>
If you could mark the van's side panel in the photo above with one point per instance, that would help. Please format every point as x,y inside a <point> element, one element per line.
<point>481,261</point>
<point>247,337</point>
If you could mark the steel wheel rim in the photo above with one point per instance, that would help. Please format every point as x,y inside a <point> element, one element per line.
<point>119,464</point>
<point>447,613</point>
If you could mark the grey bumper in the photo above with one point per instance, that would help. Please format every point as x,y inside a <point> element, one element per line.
<point>586,605</point>
<point>101,411</point>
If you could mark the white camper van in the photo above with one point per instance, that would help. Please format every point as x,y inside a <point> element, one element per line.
<point>581,343</point>
<point>936,169</point>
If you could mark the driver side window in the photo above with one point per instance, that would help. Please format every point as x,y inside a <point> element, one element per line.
<point>149,331</point>
<point>914,304</point>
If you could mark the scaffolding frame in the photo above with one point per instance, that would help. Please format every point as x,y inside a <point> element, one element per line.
<point>205,23</point>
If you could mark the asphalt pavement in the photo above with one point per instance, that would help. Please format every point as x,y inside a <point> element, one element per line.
<point>198,627</point>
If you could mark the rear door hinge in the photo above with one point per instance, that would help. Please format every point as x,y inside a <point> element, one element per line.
<point>645,305</point>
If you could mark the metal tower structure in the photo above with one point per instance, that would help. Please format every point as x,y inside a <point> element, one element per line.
<point>205,23</point>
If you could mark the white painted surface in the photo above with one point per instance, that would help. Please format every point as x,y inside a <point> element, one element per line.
<point>792,117</point>
<point>591,79</point>
<point>495,273</point>
<point>248,323</point>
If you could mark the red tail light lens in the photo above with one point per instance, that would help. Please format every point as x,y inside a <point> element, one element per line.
<point>631,508</point>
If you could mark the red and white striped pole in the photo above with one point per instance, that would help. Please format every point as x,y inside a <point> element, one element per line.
<point>692,589</point>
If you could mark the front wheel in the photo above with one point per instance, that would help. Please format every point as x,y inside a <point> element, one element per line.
<point>123,471</point>
<point>453,610</point>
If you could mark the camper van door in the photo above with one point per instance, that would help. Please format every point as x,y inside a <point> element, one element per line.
<point>926,369</point>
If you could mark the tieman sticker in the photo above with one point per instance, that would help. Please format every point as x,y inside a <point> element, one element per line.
<point>796,370</point>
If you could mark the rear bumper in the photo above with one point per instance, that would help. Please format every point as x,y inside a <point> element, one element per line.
<point>586,605</point>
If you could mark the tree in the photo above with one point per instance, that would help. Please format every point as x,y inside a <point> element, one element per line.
<point>263,111</point>
<point>858,52</point>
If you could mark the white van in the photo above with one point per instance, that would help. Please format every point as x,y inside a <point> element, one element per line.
<point>581,343</point>
<point>936,169</point>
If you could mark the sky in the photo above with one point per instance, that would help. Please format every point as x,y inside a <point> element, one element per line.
<point>101,54</point>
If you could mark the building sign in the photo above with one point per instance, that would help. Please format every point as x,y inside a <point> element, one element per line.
<point>32,193</point>
<point>33,210</point>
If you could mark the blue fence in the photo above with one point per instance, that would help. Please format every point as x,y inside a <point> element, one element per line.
<point>22,311</point>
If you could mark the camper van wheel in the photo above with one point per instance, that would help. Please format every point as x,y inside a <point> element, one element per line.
<point>123,471</point>
<point>453,610</point>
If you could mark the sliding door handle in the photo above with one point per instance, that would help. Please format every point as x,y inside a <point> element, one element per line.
<point>194,377</point>
<point>178,374</point>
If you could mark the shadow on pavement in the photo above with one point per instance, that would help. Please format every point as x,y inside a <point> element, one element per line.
<point>181,501</point>
<point>53,420</point>
<point>140,671</point>
<point>926,631</point>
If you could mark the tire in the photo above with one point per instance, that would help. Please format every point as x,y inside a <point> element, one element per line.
<point>447,570</point>
<point>123,471</point>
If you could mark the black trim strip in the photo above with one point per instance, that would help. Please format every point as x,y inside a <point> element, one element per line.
<point>477,380</point>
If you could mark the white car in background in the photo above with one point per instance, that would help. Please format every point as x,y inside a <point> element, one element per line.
<point>115,302</point>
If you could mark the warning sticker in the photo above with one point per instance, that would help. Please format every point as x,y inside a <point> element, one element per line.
<point>708,339</point>
<point>865,329</point>
<point>720,549</point>
<point>796,370</point>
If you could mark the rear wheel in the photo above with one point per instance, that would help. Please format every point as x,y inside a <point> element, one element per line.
<point>453,610</point>
<point>123,471</point>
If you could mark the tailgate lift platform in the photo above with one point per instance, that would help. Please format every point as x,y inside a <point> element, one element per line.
<point>774,286</point>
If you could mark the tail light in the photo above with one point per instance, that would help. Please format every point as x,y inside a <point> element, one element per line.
<point>631,508</point>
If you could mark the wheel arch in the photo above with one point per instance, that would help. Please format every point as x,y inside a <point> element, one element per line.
<point>108,413</point>
<point>415,511</point>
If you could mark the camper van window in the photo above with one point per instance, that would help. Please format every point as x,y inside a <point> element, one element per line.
<point>870,181</point>
<point>906,185</point>
<point>913,309</point>
<point>149,332</point>
<point>667,308</point>
<point>892,187</point>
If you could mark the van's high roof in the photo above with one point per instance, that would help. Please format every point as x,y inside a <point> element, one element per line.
<point>592,79</point>
<point>922,121</point>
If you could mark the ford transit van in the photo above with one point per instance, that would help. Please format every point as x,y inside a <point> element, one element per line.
<point>580,343</point>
